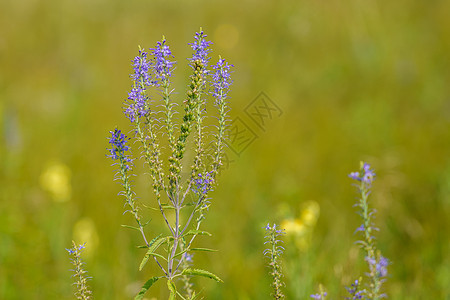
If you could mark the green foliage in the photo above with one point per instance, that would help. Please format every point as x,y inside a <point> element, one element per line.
<point>145,288</point>
<point>153,246</point>
<point>202,273</point>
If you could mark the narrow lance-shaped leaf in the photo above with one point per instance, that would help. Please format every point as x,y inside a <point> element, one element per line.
<point>197,232</point>
<point>130,227</point>
<point>203,249</point>
<point>203,273</point>
<point>151,249</point>
<point>145,288</point>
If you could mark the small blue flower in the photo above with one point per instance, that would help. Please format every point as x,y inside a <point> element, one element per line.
<point>141,67</point>
<point>319,296</point>
<point>137,105</point>
<point>367,175</point>
<point>200,47</point>
<point>360,228</point>
<point>380,266</point>
<point>162,66</point>
<point>203,184</point>
<point>119,146</point>
<point>354,175</point>
<point>353,291</point>
<point>274,229</point>
<point>136,101</point>
<point>188,257</point>
<point>221,79</point>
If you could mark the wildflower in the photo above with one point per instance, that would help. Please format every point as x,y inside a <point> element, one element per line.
<point>273,253</point>
<point>354,292</point>
<point>221,79</point>
<point>376,262</point>
<point>162,66</point>
<point>200,47</point>
<point>354,175</point>
<point>141,67</point>
<point>136,104</point>
<point>188,257</point>
<point>379,266</point>
<point>83,291</point>
<point>319,296</point>
<point>137,99</point>
<point>203,184</point>
<point>119,146</point>
<point>367,175</point>
<point>360,228</point>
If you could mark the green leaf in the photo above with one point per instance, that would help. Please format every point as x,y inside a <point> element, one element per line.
<point>159,255</point>
<point>154,244</point>
<point>172,289</point>
<point>203,273</point>
<point>197,232</point>
<point>203,249</point>
<point>182,252</point>
<point>166,206</point>
<point>145,288</point>
<point>154,240</point>
<point>131,227</point>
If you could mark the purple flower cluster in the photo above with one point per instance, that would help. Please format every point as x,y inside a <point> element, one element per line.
<point>319,296</point>
<point>366,175</point>
<point>119,146</point>
<point>162,66</point>
<point>272,233</point>
<point>141,79</point>
<point>74,249</point>
<point>380,266</point>
<point>203,184</point>
<point>200,47</point>
<point>137,104</point>
<point>141,67</point>
<point>353,290</point>
<point>221,79</point>
<point>274,228</point>
<point>188,257</point>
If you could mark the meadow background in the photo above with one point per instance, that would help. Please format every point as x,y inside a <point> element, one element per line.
<point>355,80</point>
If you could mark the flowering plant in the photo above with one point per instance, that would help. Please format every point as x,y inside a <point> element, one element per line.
<point>186,198</point>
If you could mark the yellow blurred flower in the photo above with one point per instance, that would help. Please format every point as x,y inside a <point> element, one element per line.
<point>293,226</point>
<point>310,213</point>
<point>300,230</point>
<point>84,231</point>
<point>55,179</point>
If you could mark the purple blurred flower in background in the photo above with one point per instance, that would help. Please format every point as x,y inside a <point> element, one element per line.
<point>367,175</point>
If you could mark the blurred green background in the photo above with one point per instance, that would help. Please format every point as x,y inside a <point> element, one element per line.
<point>356,80</point>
